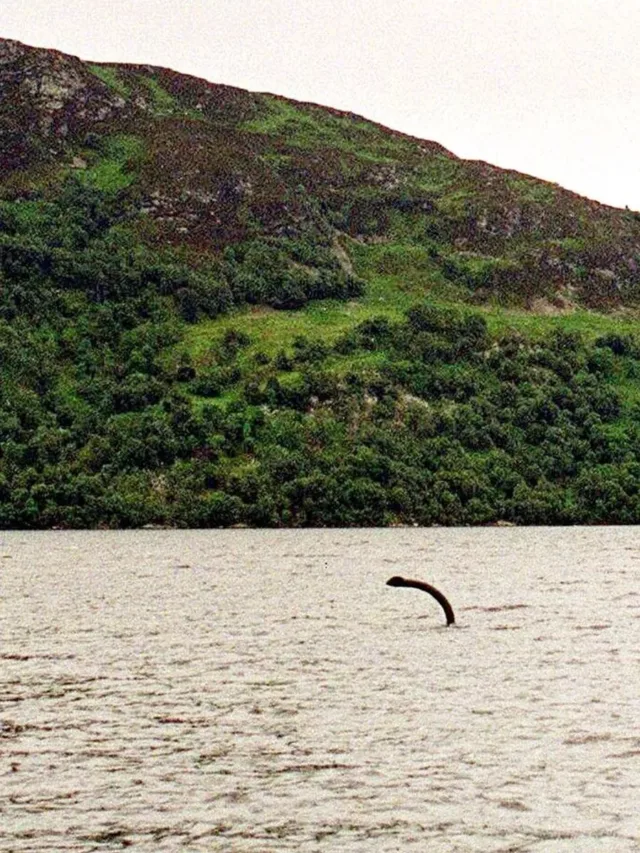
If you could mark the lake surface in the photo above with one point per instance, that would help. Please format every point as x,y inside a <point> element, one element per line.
<point>266,691</point>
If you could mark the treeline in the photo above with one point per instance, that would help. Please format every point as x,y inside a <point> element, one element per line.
<point>425,421</point>
<point>98,427</point>
<point>83,244</point>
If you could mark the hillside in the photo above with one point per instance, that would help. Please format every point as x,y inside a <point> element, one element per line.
<point>219,307</point>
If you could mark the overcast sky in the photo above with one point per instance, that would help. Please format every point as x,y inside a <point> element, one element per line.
<point>548,87</point>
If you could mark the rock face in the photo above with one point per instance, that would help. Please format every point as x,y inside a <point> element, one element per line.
<point>45,97</point>
<point>209,165</point>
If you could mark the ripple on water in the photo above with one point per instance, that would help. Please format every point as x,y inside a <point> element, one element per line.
<point>252,691</point>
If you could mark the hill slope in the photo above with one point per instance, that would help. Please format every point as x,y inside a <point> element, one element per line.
<point>212,311</point>
<point>210,165</point>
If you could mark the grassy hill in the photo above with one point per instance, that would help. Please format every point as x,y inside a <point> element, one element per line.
<point>220,307</point>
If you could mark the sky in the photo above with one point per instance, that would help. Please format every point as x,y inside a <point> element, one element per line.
<point>548,87</point>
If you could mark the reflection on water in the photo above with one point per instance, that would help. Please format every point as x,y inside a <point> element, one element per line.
<point>266,691</point>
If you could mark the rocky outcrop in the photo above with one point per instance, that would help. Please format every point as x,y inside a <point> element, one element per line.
<point>46,98</point>
<point>215,165</point>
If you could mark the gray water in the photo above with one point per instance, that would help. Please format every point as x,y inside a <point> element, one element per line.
<point>266,691</point>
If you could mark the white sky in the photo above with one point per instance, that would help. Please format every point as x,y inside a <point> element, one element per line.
<point>548,87</point>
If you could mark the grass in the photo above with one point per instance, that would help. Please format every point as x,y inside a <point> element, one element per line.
<point>305,128</point>
<point>589,324</point>
<point>398,259</point>
<point>530,189</point>
<point>412,278</point>
<point>164,104</point>
<point>114,170</point>
<point>439,174</point>
<point>455,202</point>
<point>272,330</point>
<point>110,78</point>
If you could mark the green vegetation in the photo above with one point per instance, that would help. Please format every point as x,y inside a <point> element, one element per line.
<point>532,190</point>
<point>138,390</point>
<point>109,76</point>
<point>164,103</point>
<point>310,127</point>
<point>115,163</point>
<point>285,315</point>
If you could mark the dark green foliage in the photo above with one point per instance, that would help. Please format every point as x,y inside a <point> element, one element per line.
<point>618,344</point>
<point>93,430</point>
<point>260,272</point>
<point>127,228</point>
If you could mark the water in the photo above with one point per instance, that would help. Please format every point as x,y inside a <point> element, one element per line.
<point>265,691</point>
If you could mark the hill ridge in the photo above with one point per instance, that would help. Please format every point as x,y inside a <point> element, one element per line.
<point>222,307</point>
